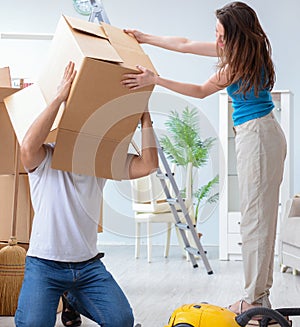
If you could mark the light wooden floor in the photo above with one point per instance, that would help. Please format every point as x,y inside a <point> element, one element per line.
<point>156,289</point>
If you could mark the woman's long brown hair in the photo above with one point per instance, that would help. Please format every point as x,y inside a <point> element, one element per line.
<point>246,56</point>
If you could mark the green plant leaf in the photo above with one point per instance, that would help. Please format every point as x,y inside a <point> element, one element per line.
<point>184,145</point>
<point>203,194</point>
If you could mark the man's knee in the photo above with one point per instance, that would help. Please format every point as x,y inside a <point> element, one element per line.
<point>29,319</point>
<point>124,319</point>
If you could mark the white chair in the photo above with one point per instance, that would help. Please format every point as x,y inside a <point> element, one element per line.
<point>289,236</point>
<point>150,206</point>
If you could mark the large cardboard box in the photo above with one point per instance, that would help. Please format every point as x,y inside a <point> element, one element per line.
<point>24,208</point>
<point>93,131</point>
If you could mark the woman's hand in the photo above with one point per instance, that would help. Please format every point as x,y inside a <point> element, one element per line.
<point>139,36</point>
<point>137,81</point>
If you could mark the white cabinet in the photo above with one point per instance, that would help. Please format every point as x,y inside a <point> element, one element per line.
<point>229,215</point>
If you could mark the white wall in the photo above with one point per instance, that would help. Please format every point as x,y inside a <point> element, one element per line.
<point>194,19</point>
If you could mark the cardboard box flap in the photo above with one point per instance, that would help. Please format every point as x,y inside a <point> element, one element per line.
<point>5,79</point>
<point>23,108</point>
<point>118,38</point>
<point>96,48</point>
<point>6,91</point>
<point>128,48</point>
<point>93,42</point>
<point>86,27</point>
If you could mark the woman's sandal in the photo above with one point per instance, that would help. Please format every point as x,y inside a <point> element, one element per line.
<point>255,321</point>
<point>69,316</point>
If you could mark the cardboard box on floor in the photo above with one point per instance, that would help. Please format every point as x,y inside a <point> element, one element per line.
<point>7,135</point>
<point>25,211</point>
<point>24,208</point>
<point>93,131</point>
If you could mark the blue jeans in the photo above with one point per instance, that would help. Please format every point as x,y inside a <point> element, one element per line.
<point>92,291</point>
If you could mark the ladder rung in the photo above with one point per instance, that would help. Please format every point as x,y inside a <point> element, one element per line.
<point>192,250</point>
<point>172,201</point>
<point>182,226</point>
<point>163,176</point>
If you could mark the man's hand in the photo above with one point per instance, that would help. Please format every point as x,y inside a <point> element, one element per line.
<point>146,119</point>
<point>64,87</point>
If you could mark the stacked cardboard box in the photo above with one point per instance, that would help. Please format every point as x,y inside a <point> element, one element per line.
<point>8,144</point>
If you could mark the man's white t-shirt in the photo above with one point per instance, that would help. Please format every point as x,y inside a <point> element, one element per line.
<point>66,213</point>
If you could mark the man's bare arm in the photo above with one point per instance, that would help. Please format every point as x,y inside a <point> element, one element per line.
<point>147,161</point>
<point>32,150</point>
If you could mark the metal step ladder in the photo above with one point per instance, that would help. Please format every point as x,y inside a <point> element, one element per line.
<point>183,227</point>
<point>174,202</point>
<point>99,13</point>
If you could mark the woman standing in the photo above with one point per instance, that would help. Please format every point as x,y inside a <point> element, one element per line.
<point>246,70</point>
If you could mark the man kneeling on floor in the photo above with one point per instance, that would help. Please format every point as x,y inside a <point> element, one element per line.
<point>62,256</point>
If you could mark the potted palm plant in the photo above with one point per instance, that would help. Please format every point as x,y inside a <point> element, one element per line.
<point>184,147</point>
